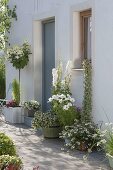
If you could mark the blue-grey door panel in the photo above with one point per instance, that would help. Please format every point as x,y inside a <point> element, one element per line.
<point>48,61</point>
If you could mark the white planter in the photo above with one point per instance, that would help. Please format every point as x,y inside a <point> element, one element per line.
<point>13,114</point>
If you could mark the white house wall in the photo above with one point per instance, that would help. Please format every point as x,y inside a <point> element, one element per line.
<point>31,13</point>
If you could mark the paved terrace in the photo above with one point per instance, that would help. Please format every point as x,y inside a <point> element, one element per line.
<point>47,153</point>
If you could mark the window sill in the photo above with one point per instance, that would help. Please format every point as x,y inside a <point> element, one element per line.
<point>77,69</point>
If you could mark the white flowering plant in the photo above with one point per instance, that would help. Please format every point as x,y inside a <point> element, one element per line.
<point>63,106</point>
<point>82,135</point>
<point>45,120</point>
<point>19,55</point>
<point>31,105</point>
<point>61,101</point>
<point>107,139</point>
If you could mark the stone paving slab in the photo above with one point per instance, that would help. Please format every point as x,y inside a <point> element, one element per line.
<point>35,150</point>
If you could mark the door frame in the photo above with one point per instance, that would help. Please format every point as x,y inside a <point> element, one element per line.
<point>38,51</point>
<point>50,20</point>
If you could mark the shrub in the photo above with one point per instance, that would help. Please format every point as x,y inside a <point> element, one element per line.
<point>16,91</point>
<point>7,146</point>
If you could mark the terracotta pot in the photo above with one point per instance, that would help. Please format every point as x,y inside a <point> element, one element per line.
<point>12,167</point>
<point>83,146</point>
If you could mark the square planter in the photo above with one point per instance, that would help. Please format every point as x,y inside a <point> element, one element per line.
<point>13,114</point>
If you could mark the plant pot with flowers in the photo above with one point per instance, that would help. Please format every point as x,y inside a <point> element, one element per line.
<point>62,102</point>
<point>10,162</point>
<point>48,122</point>
<point>107,142</point>
<point>31,107</point>
<point>82,136</point>
<point>13,111</point>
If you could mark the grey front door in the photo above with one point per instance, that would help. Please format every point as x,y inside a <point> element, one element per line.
<point>48,60</point>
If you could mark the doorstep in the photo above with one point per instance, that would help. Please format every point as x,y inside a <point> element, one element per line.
<point>28,121</point>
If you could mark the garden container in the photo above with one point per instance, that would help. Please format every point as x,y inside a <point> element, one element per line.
<point>110,158</point>
<point>52,132</point>
<point>13,114</point>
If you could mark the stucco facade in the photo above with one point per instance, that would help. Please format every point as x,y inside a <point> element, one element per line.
<point>28,27</point>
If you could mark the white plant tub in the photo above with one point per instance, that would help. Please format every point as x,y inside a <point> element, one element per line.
<point>13,114</point>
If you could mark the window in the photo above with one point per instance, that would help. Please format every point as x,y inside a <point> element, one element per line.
<point>86,20</point>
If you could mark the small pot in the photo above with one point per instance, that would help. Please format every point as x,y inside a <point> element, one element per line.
<point>31,112</point>
<point>110,158</point>
<point>12,167</point>
<point>83,146</point>
<point>51,132</point>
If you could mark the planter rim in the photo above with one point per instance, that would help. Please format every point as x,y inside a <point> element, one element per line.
<point>12,107</point>
<point>109,155</point>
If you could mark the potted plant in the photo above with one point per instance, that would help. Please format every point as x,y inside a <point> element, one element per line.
<point>48,122</point>
<point>31,107</point>
<point>81,136</point>
<point>61,101</point>
<point>13,111</point>
<point>107,142</point>
<point>10,162</point>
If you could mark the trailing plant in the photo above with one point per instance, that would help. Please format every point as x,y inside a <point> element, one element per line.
<point>6,17</point>
<point>7,146</point>
<point>6,162</point>
<point>45,120</point>
<point>2,79</point>
<point>16,91</point>
<point>32,105</point>
<point>87,100</point>
<point>82,136</point>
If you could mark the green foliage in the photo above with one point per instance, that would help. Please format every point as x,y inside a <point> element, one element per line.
<point>109,145</point>
<point>6,16</point>
<point>87,101</point>
<point>67,117</point>
<point>2,79</point>
<point>81,133</point>
<point>7,146</point>
<point>6,160</point>
<point>19,55</point>
<point>45,120</point>
<point>16,91</point>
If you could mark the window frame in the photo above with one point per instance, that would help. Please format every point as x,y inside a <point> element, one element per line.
<point>83,14</point>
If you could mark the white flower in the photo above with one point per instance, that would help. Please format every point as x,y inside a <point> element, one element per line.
<point>60,101</point>
<point>68,68</point>
<point>69,104</point>
<point>50,99</point>
<point>55,76</point>
<point>65,107</point>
